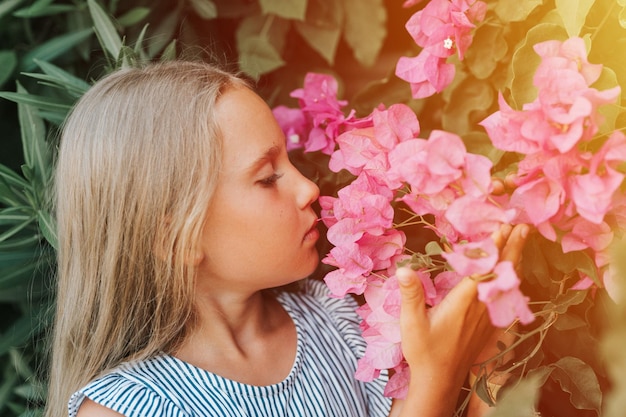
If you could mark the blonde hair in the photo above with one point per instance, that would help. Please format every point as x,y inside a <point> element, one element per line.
<point>138,163</point>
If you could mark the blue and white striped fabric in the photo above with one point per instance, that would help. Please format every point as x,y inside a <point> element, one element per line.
<point>321,382</point>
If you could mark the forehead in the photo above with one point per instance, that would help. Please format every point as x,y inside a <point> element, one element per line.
<point>249,129</point>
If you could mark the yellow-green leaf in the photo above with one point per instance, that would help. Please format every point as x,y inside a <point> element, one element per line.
<point>574,13</point>
<point>294,9</point>
<point>365,29</point>
<point>257,56</point>
<point>515,10</point>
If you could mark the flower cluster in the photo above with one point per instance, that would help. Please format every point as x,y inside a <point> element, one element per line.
<point>566,186</point>
<point>440,28</point>
<point>314,125</point>
<point>566,182</point>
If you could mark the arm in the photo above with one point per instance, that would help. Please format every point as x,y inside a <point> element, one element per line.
<point>441,344</point>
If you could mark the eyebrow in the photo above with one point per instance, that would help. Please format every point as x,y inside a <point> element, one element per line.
<point>269,155</point>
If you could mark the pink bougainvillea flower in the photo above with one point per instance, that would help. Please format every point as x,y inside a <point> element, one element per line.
<point>428,166</point>
<point>537,201</point>
<point>319,94</point>
<point>293,124</point>
<point>344,281</point>
<point>573,54</point>
<point>473,258</point>
<point>441,28</point>
<point>593,193</point>
<point>318,101</point>
<point>585,234</point>
<point>426,74</point>
<point>475,218</point>
<point>503,299</point>
<point>398,384</point>
<point>410,3</point>
<point>476,180</point>
<point>383,249</point>
<point>504,128</point>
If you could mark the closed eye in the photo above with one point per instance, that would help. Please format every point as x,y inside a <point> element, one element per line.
<point>270,181</point>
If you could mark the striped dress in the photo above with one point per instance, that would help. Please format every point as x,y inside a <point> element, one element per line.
<point>321,382</point>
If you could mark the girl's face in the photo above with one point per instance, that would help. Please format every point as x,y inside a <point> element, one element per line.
<point>260,230</point>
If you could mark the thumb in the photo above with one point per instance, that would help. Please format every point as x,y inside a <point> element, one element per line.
<point>412,305</point>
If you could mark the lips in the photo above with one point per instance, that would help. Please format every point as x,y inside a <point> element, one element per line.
<point>312,234</point>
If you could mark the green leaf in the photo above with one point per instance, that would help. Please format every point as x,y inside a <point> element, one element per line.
<point>622,18</point>
<point>36,153</point>
<point>41,102</point>
<point>8,63</point>
<point>580,381</point>
<point>16,335</point>
<point>105,29</point>
<point>365,29</point>
<point>525,62</point>
<point>169,53</point>
<point>63,78</point>
<point>133,16</point>
<point>206,9</point>
<point>47,225</point>
<point>608,79</point>
<point>294,10</point>
<point>519,400</point>
<point>322,27</point>
<point>257,56</point>
<point>40,9</point>
<point>323,39</point>
<point>7,5</point>
<point>488,48</point>
<point>163,33</point>
<point>480,143</point>
<point>515,10</point>
<point>53,48</point>
<point>574,13</point>
<point>15,229</point>
<point>468,104</point>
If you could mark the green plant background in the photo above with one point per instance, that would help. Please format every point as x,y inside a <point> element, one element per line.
<point>52,50</point>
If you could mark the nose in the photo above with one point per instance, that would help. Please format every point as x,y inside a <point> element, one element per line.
<point>308,191</point>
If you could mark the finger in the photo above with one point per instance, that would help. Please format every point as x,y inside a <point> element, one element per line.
<point>413,317</point>
<point>514,245</point>
<point>501,235</point>
<point>497,186</point>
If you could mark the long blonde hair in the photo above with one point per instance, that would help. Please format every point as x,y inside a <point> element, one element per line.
<point>138,163</point>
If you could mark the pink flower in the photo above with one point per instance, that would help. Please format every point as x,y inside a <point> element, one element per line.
<point>585,234</point>
<point>428,166</point>
<point>475,218</point>
<point>572,54</point>
<point>293,124</point>
<point>537,201</point>
<point>345,281</point>
<point>504,128</point>
<point>365,149</point>
<point>318,100</point>
<point>440,28</point>
<point>473,257</point>
<point>503,298</point>
<point>593,193</point>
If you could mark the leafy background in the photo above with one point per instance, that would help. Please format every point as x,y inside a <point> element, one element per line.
<point>51,51</point>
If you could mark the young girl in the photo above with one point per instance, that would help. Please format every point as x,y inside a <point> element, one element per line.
<point>179,214</point>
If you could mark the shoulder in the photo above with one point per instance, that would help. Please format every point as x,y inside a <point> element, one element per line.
<point>132,390</point>
<point>90,408</point>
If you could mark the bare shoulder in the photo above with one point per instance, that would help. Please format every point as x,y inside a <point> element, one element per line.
<point>92,409</point>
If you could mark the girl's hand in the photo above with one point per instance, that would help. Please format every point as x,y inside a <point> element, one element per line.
<point>441,343</point>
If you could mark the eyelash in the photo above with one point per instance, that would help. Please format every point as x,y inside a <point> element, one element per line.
<point>271,180</point>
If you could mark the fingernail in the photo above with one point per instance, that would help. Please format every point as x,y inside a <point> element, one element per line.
<point>525,230</point>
